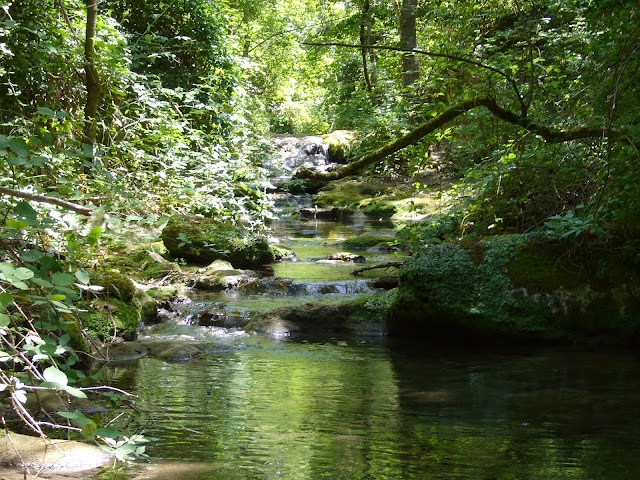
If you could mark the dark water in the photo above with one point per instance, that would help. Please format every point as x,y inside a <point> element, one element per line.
<point>257,408</point>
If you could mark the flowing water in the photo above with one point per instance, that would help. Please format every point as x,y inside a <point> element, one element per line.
<point>253,407</point>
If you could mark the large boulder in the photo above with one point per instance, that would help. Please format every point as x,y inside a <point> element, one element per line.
<point>221,275</point>
<point>203,240</point>
<point>515,287</point>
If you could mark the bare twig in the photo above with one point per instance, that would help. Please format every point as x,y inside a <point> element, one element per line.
<point>51,200</point>
<point>381,265</point>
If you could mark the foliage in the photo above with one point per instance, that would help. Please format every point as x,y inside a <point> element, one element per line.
<point>40,337</point>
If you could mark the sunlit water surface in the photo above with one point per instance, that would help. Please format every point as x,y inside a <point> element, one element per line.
<point>258,408</point>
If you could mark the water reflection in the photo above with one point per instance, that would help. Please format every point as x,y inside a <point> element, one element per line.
<point>268,409</point>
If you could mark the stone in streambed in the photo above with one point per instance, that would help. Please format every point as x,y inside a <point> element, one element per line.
<point>34,453</point>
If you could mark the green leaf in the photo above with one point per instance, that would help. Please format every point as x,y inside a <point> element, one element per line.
<point>83,277</point>
<point>79,420</point>
<point>54,376</point>
<point>61,279</point>
<point>88,431</point>
<point>19,147</point>
<point>23,273</point>
<point>108,432</point>
<point>19,284</point>
<point>47,112</point>
<point>94,236</point>
<point>42,282</point>
<point>5,320</point>
<point>47,349</point>
<point>39,161</point>
<point>26,212</point>
<point>5,299</point>
<point>75,392</point>
<point>11,223</point>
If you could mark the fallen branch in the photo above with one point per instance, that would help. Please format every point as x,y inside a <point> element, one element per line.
<point>51,200</point>
<point>381,265</point>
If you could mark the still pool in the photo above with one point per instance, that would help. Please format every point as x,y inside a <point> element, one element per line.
<point>369,408</point>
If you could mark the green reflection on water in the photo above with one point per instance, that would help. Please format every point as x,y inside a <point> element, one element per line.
<point>255,408</point>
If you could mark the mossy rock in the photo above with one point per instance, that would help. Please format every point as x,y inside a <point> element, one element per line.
<point>367,241</point>
<point>105,319</point>
<point>116,286</point>
<point>339,144</point>
<point>203,240</point>
<point>379,209</point>
<point>512,286</point>
<point>130,258</point>
<point>350,192</point>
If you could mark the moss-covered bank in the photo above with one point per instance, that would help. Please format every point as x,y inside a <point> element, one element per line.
<point>516,286</point>
<point>361,316</point>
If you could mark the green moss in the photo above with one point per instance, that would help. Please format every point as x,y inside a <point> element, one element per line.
<point>154,270</point>
<point>339,144</point>
<point>349,193</point>
<point>513,285</point>
<point>131,257</point>
<point>203,240</point>
<point>379,209</point>
<point>104,319</point>
<point>115,285</point>
<point>77,342</point>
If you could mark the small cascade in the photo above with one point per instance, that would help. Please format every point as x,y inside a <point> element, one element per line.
<point>312,275</point>
<point>289,287</point>
<point>294,151</point>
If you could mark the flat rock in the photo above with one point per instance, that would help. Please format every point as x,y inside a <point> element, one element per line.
<point>35,453</point>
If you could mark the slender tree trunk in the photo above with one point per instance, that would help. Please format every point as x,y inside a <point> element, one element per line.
<point>408,40</point>
<point>247,43</point>
<point>92,80</point>
<point>365,33</point>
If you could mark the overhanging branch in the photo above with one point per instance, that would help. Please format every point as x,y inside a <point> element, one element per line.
<point>550,135</point>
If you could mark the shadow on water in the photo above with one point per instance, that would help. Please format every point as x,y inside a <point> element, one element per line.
<point>368,408</point>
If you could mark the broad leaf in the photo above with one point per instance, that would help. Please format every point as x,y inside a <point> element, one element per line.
<point>54,376</point>
<point>75,392</point>
<point>61,279</point>
<point>19,147</point>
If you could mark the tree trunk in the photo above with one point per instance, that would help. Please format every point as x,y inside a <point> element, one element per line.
<point>92,80</point>
<point>365,33</point>
<point>408,40</point>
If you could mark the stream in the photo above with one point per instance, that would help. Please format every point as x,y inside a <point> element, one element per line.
<point>370,407</point>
